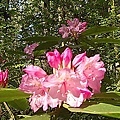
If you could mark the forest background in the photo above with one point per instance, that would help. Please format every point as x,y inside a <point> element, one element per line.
<point>24,22</point>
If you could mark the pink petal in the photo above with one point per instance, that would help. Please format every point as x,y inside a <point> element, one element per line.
<point>38,101</point>
<point>64,31</point>
<point>35,102</point>
<point>35,71</point>
<point>76,61</point>
<point>3,78</point>
<point>54,58</point>
<point>29,48</point>
<point>74,101</point>
<point>86,93</point>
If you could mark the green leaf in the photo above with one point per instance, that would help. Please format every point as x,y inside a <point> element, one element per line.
<point>107,104</point>
<point>21,104</point>
<point>108,95</point>
<point>39,117</point>
<point>7,94</point>
<point>97,108</point>
<point>106,40</point>
<point>98,29</point>
<point>46,45</point>
<point>40,39</point>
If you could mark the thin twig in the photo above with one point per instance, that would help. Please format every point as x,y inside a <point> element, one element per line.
<point>9,111</point>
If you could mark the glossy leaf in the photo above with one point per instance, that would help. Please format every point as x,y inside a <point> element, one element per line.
<point>107,104</point>
<point>40,39</point>
<point>38,117</point>
<point>106,40</point>
<point>98,29</point>
<point>46,45</point>
<point>21,104</point>
<point>97,108</point>
<point>11,94</point>
<point>108,95</point>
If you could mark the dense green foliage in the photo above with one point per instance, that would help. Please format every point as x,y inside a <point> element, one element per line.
<point>24,22</point>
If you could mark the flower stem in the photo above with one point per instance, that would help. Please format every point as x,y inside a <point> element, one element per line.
<point>9,111</point>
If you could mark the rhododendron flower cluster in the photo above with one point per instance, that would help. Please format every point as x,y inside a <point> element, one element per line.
<point>74,28</point>
<point>3,78</point>
<point>73,80</point>
<point>29,49</point>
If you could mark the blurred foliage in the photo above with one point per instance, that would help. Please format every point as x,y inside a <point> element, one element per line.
<point>24,19</point>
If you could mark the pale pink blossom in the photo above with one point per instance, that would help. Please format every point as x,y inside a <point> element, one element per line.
<point>74,101</point>
<point>35,71</point>
<point>73,80</point>
<point>92,69</point>
<point>33,79</point>
<point>33,83</point>
<point>89,69</point>
<point>38,101</point>
<point>30,48</point>
<point>74,28</point>
<point>64,31</point>
<point>40,97</point>
<point>63,82</point>
<point>3,78</point>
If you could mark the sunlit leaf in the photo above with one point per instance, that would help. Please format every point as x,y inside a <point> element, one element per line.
<point>46,45</point>
<point>97,108</point>
<point>38,117</point>
<point>7,94</point>
<point>20,104</point>
<point>106,40</point>
<point>107,104</point>
<point>108,95</point>
<point>98,29</point>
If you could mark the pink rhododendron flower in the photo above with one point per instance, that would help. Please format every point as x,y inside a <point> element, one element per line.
<point>33,79</point>
<point>38,101</point>
<point>32,82</point>
<point>3,78</point>
<point>70,82</point>
<point>57,61</point>
<point>93,70</point>
<point>64,31</point>
<point>52,57</point>
<point>89,69</point>
<point>35,71</point>
<point>74,101</point>
<point>74,28</point>
<point>63,82</point>
<point>64,59</point>
<point>29,49</point>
